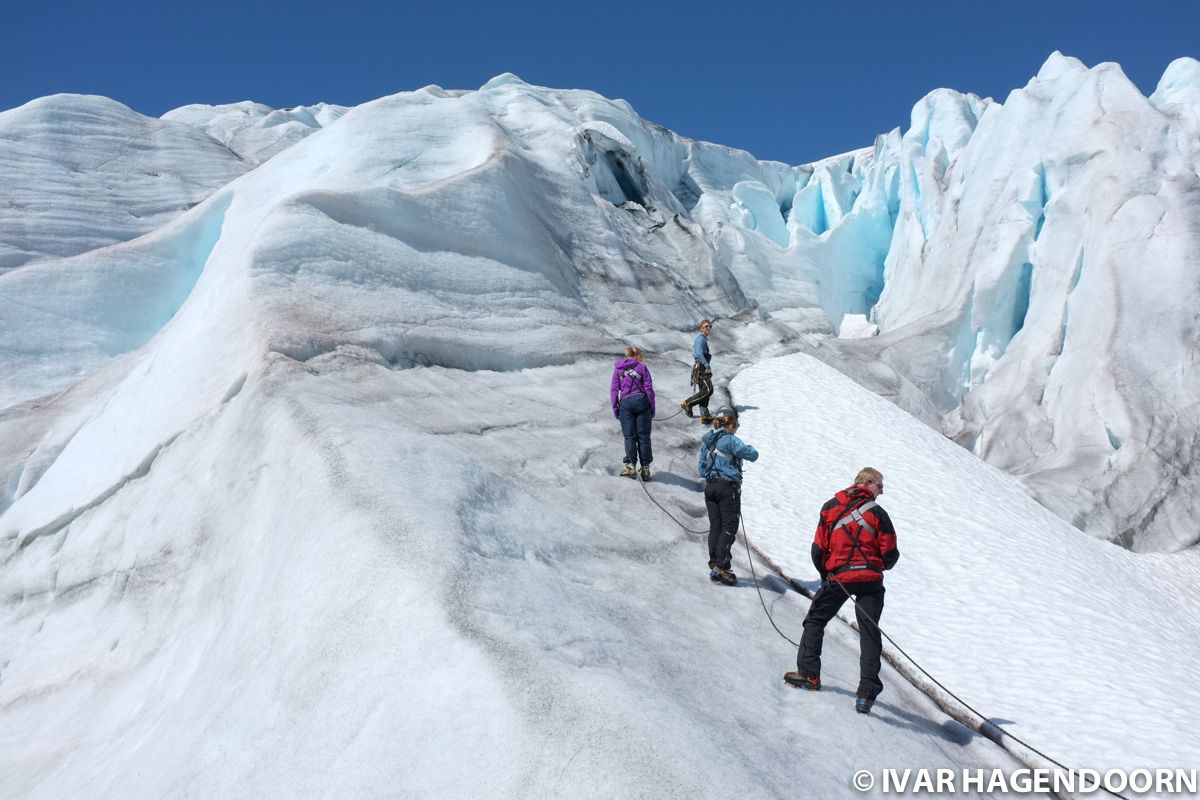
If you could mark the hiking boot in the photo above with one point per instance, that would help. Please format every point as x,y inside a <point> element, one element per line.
<point>629,471</point>
<point>645,474</point>
<point>802,681</point>
<point>862,705</point>
<point>686,408</point>
<point>718,575</point>
<point>705,420</point>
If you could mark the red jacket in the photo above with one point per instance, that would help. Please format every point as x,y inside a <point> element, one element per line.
<point>854,552</point>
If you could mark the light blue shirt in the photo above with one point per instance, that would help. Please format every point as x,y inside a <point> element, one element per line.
<point>700,351</point>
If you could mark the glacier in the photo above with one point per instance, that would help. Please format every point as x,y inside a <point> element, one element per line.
<point>83,172</point>
<point>255,132</point>
<point>306,478</point>
<point>1048,244</point>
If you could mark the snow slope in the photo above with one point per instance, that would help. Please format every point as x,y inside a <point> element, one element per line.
<point>988,580</point>
<point>377,582</point>
<point>343,521</point>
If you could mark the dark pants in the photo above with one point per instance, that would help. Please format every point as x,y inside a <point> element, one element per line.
<point>724,502</point>
<point>825,604</point>
<point>635,417</point>
<point>704,391</point>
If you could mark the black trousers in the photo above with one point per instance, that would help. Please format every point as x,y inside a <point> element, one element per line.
<point>703,391</point>
<point>825,605</point>
<point>724,502</point>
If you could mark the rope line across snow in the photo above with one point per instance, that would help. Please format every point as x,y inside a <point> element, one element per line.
<point>987,727</point>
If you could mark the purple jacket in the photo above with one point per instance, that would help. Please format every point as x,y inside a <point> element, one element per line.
<point>630,377</point>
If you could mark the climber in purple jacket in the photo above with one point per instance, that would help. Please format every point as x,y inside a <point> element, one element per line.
<point>632,396</point>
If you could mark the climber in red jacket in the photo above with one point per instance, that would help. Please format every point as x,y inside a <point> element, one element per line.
<point>854,543</point>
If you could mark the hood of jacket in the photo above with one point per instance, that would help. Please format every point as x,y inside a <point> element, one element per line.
<point>853,495</point>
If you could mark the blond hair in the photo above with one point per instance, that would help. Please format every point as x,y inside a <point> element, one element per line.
<point>868,475</point>
<point>633,352</point>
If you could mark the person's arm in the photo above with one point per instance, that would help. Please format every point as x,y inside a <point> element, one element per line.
<point>648,385</point>
<point>743,450</point>
<point>820,547</point>
<point>887,539</point>
<point>700,350</point>
<point>614,391</point>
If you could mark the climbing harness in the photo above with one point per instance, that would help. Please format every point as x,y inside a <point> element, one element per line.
<point>855,514</point>
<point>633,376</point>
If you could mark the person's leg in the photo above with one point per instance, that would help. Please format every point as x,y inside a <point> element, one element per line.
<point>868,610</point>
<point>644,420</point>
<point>714,520</point>
<point>825,604</point>
<point>731,505</point>
<point>629,429</point>
<point>706,392</point>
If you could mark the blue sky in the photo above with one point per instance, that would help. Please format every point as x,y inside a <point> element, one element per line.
<point>792,81</point>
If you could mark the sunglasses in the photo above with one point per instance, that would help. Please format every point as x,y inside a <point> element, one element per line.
<point>877,483</point>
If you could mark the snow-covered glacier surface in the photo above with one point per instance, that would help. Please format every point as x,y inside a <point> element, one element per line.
<point>988,581</point>
<point>337,516</point>
<point>82,172</point>
<point>309,488</point>
<point>253,131</point>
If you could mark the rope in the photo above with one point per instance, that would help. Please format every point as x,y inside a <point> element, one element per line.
<point>859,610</point>
<point>642,483</point>
<point>757,588</point>
<point>659,419</point>
<point>745,540</point>
<point>873,621</point>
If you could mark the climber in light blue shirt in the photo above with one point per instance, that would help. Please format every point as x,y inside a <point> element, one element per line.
<point>701,375</point>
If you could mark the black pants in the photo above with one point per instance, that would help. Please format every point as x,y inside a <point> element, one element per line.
<point>825,604</point>
<point>704,390</point>
<point>724,502</point>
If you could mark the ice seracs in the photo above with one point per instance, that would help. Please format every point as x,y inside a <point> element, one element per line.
<point>1044,245</point>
